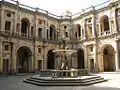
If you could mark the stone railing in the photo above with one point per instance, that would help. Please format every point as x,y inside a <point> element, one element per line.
<point>105,33</point>
<point>5,32</point>
<point>64,73</point>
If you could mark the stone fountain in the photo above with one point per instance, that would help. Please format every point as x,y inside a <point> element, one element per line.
<point>64,74</point>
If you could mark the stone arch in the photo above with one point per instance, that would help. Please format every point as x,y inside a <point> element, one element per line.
<point>51,59</point>
<point>80,58</point>
<point>104,21</point>
<point>24,59</point>
<point>107,58</point>
<point>52,32</point>
<point>25,24</point>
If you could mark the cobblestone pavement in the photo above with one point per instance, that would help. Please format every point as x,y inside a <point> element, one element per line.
<point>15,83</point>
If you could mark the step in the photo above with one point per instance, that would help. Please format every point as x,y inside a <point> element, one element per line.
<point>49,81</point>
<point>64,81</point>
<point>63,84</point>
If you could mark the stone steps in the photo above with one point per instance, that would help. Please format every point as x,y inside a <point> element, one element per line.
<point>64,81</point>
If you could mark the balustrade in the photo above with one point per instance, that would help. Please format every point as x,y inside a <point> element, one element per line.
<point>64,73</point>
<point>105,33</point>
<point>5,32</point>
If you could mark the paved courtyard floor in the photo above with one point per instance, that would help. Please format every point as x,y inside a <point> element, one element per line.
<point>15,83</point>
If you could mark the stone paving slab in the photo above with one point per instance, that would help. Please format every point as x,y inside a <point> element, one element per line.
<point>15,83</point>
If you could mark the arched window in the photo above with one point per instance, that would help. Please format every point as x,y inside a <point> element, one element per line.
<point>25,26</point>
<point>104,23</point>
<point>52,32</point>
<point>78,30</point>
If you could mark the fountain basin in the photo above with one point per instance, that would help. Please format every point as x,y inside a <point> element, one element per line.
<point>64,81</point>
<point>64,73</point>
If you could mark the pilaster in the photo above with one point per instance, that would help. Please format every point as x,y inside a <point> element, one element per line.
<point>117,61</point>
<point>15,22</point>
<point>14,54</point>
<point>99,29</point>
<point>2,19</point>
<point>1,57</point>
<point>34,59</point>
<point>100,61</point>
<point>93,26</point>
<point>96,57</point>
<point>115,21</point>
<point>81,33</point>
<point>85,32</point>
<point>44,63</point>
<point>85,57</point>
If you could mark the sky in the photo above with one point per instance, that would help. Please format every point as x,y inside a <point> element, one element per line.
<point>60,6</point>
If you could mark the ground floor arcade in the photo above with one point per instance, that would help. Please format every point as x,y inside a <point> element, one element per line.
<point>22,59</point>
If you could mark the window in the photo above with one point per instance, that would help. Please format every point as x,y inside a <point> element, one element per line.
<point>6,48</point>
<point>8,15</point>
<point>66,34</point>
<point>76,34</point>
<point>39,50</point>
<point>65,27</point>
<point>40,22</point>
<point>47,34</point>
<point>39,64</point>
<point>5,65</point>
<point>32,28</point>
<point>91,48</point>
<point>89,20</point>
<point>79,32</point>
<point>105,51</point>
<point>7,25</point>
<point>40,32</point>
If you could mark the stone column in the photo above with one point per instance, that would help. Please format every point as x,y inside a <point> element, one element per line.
<point>1,57</point>
<point>99,29</point>
<point>14,56</point>
<point>33,57</point>
<point>96,57</point>
<point>81,33</point>
<point>85,33</point>
<point>2,19</point>
<point>85,57</point>
<point>29,29</point>
<point>93,26</point>
<point>44,34</point>
<point>36,28</point>
<point>117,60</point>
<point>48,34</point>
<point>115,21</point>
<point>44,63</point>
<point>55,58</point>
<point>33,67</point>
<point>100,61</point>
<point>74,61</point>
<point>15,23</point>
